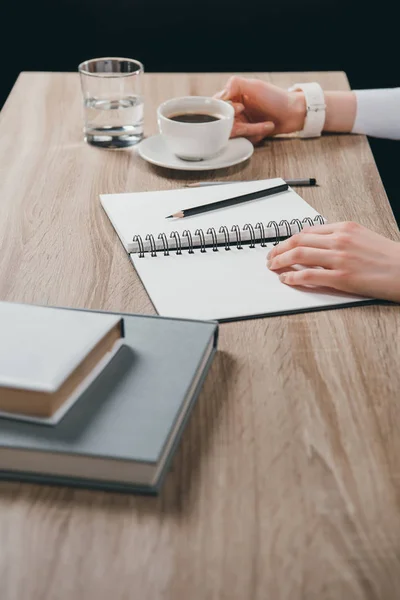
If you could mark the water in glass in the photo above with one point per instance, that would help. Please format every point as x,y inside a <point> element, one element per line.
<point>113,102</point>
<point>114,123</point>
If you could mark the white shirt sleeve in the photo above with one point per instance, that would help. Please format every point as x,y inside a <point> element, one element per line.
<point>378,113</point>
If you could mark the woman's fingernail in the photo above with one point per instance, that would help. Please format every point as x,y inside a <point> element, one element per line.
<point>269,255</point>
<point>239,108</point>
<point>223,95</point>
<point>282,277</point>
<point>269,263</point>
<point>269,127</point>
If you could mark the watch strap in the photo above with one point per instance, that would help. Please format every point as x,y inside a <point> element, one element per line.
<point>315,103</point>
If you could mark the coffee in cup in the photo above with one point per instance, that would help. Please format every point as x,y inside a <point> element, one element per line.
<point>195,127</point>
<point>194,118</point>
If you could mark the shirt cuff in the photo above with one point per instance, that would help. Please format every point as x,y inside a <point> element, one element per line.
<point>378,113</point>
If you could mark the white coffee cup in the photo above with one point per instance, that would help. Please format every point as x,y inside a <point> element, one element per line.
<point>195,141</point>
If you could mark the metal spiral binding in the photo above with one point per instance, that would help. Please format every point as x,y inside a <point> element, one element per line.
<point>225,231</point>
<point>188,234</point>
<point>287,225</point>
<point>153,248</point>
<point>250,229</point>
<point>275,225</point>
<point>177,237</point>
<point>211,231</point>
<point>309,221</point>
<point>200,233</point>
<point>260,226</point>
<point>298,223</point>
<point>236,229</point>
<point>138,239</point>
<point>163,238</point>
<point>291,228</point>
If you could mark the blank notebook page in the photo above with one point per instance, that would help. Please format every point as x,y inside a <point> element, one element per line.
<point>225,285</point>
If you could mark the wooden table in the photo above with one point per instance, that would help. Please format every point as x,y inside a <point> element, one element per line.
<point>287,482</point>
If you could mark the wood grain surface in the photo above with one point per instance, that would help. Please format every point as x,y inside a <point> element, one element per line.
<point>286,485</point>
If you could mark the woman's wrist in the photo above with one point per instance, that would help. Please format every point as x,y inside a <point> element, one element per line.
<point>341,109</point>
<point>297,111</point>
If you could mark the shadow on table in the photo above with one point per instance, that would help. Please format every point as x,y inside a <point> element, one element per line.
<point>192,176</point>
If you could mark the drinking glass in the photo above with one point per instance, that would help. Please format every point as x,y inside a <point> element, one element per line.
<point>113,102</point>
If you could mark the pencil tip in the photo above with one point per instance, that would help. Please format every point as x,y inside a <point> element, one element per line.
<point>177,215</point>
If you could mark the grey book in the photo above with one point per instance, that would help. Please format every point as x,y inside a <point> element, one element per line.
<point>123,431</point>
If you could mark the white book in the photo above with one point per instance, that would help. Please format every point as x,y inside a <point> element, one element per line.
<point>213,265</point>
<point>43,349</point>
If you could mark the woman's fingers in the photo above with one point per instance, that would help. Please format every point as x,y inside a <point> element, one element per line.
<point>256,139</point>
<point>310,240</point>
<point>320,229</point>
<point>232,89</point>
<point>333,236</point>
<point>310,257</point>
<point>315,277</point>
<point>347,227</point>
<point>251,130</point>
<point>238,108</point>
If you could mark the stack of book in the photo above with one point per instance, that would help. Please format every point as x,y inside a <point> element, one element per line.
<point>96,399</point>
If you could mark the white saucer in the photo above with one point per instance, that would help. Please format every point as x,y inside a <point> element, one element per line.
<point>155,151</point>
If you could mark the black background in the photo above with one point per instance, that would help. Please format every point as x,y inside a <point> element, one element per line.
<point>212,35</point>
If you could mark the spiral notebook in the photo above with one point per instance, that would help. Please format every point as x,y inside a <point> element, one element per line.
<point>213,265</point>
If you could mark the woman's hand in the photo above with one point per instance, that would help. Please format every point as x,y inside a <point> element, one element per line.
<point>354,259</point>
<point>263,109</point>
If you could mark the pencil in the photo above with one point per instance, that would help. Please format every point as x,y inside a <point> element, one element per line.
<point>311,181</point>
<point>187,212</point>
